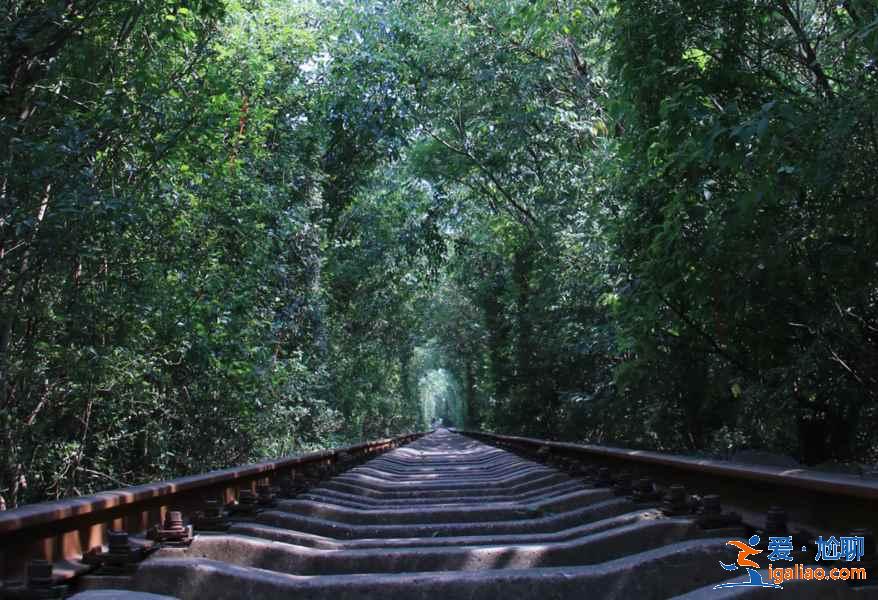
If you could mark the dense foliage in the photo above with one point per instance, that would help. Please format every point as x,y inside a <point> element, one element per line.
<point>232,229</point>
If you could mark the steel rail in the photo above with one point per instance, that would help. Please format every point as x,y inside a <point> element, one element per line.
<point>65,529</point>
<point>812,499</point>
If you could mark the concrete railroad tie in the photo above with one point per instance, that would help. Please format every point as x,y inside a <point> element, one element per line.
<point>447,517</point>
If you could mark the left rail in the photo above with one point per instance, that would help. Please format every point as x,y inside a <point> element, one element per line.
<point>64,530</point>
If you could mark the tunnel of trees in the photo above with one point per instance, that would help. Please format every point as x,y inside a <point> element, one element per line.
<point>234,229</point>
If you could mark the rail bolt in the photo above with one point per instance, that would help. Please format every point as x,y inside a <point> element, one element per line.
<point>622,487</point>
<point>290,486</point>
<point>118,542</point>
<point>675,503</point>
<point>213,508</point>
<point>870,552</point>
<point>588,473</point>
<point>543,453</point>
<point>120,557</point>
<point>246,504</point>
<point>265,495</point>
<point>39,574</point>
<point>776,520</point>
<point>173,532</point>
<point>314,473</point>
<point>644,490</point>
<point>121,553</point>
<point>604,478</point>
<point>870,555</point>
<point>38,584</point>
<point>711,505</point>
<point>711,515</point>
<point>575,467</point>
<point>211,518</point>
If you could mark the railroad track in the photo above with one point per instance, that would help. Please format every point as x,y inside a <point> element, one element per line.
<point>450,516</point>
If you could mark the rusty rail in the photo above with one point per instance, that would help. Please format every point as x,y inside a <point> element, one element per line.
<point>64,530</point>
<point>812,499</point>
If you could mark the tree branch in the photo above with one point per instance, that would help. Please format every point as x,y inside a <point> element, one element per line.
<point>813,64</point>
